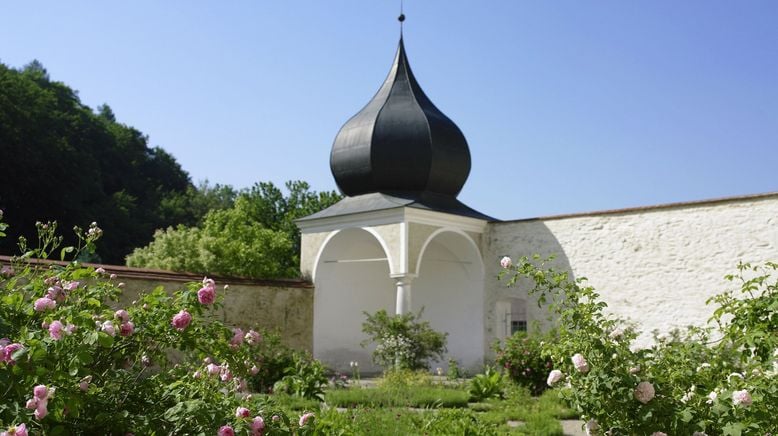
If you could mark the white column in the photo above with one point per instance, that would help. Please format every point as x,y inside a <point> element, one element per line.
<point>403,302</point>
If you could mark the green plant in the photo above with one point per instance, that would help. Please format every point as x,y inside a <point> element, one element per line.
<point>521,357</point>
<point>396,397</point>
<point>453,372</point>
<point>403,341</point>
<point>71,363</point>
<point>252,236</point>
<point>686,382</point>
<point>305,379</point>
<point>405,379</point>
<point>486,385</point>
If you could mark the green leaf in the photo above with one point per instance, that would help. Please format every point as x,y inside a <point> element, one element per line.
<point>732,429</point>
<point>91,338</point>
<point>65,251</point>
<point>85,358</point>
<point>104,340</point>
<point>21,352</point>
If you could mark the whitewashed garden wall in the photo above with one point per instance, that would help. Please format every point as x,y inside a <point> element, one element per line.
<point>655,265</point>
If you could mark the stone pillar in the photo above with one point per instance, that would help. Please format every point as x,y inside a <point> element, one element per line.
<point>403,301</point>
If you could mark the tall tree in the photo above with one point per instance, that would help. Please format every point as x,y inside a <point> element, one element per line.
<point>61,161</point>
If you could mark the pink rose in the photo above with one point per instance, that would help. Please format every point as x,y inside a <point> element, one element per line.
<point>257,426</point>
<point>305,418</point>
<point>108,327</point>
<point>206,295</point>
<point>237,337</point>
<point>644,392</point>
<point>253,338</point>
<point>226,431</point>
<point>213,369</point>
<point>84,383</point>
<point>275,418</point>
<point>181,320</point>
<point>100,271</point>
<point>122,315</point>
<point>242,412</point>
<point>31,403</point>
<point>7,272</point>
<point>70,329</point>
<point>506,262</point>
<point>18,430</point>
<point>742,398</point>
<point>55,330</point>
<point>254,370</point>
<point>41,410</point>
<point>208,282</point>
<point>55,293</point>
<point>72,286</point>
<point>241,385</point>
<point>226,375</point>
<point>580,363</point>
<point>127,328</point>
<point>40,392</point>
<point>8,351</point>
<point>554,377</point>
<point>43,304</point>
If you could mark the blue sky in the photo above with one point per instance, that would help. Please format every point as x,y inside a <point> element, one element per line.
<point>568,106</point>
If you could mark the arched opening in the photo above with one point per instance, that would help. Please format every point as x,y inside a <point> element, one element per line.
<point>351,276</point>
<point>450,287</point>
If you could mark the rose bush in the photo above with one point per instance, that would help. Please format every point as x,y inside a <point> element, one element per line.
<point>696,382</point>
<point>522,360</point>
<point>163,365</point>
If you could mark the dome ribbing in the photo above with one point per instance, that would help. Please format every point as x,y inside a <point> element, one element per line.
<point>400,143</point>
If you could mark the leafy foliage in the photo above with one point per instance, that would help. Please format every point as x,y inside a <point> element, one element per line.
<point>486,385</point>
<point>72,364</point>
<point>306,379</point>
<point>61,161</point>
<point>403,341</point>
<point>683,384</point>
<point>256,237</point>
<point>522,359</point>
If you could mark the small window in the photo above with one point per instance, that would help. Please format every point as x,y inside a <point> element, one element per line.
<point>518,326</point>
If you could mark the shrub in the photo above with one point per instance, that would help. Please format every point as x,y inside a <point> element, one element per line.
<point>522,359</point>
<point>304,379</point>
<point>70,363</point>
<point>685,383</point>
<point>403,340</point>
<point>273,358</point>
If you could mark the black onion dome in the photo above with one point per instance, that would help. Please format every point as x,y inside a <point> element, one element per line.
<point>400,143</point>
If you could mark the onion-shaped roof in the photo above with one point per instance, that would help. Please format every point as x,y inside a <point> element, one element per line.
<point>400,143</point>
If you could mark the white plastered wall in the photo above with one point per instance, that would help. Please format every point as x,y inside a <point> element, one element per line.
<point>655,266</point>
<point>449,287</point>
<point>346,286</point>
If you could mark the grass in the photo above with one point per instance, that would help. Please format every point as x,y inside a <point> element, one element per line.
<point>419,397</point>
<point>411,405</point>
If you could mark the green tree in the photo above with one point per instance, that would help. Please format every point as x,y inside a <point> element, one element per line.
<point>61,161</point>
<point>256,237</point>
